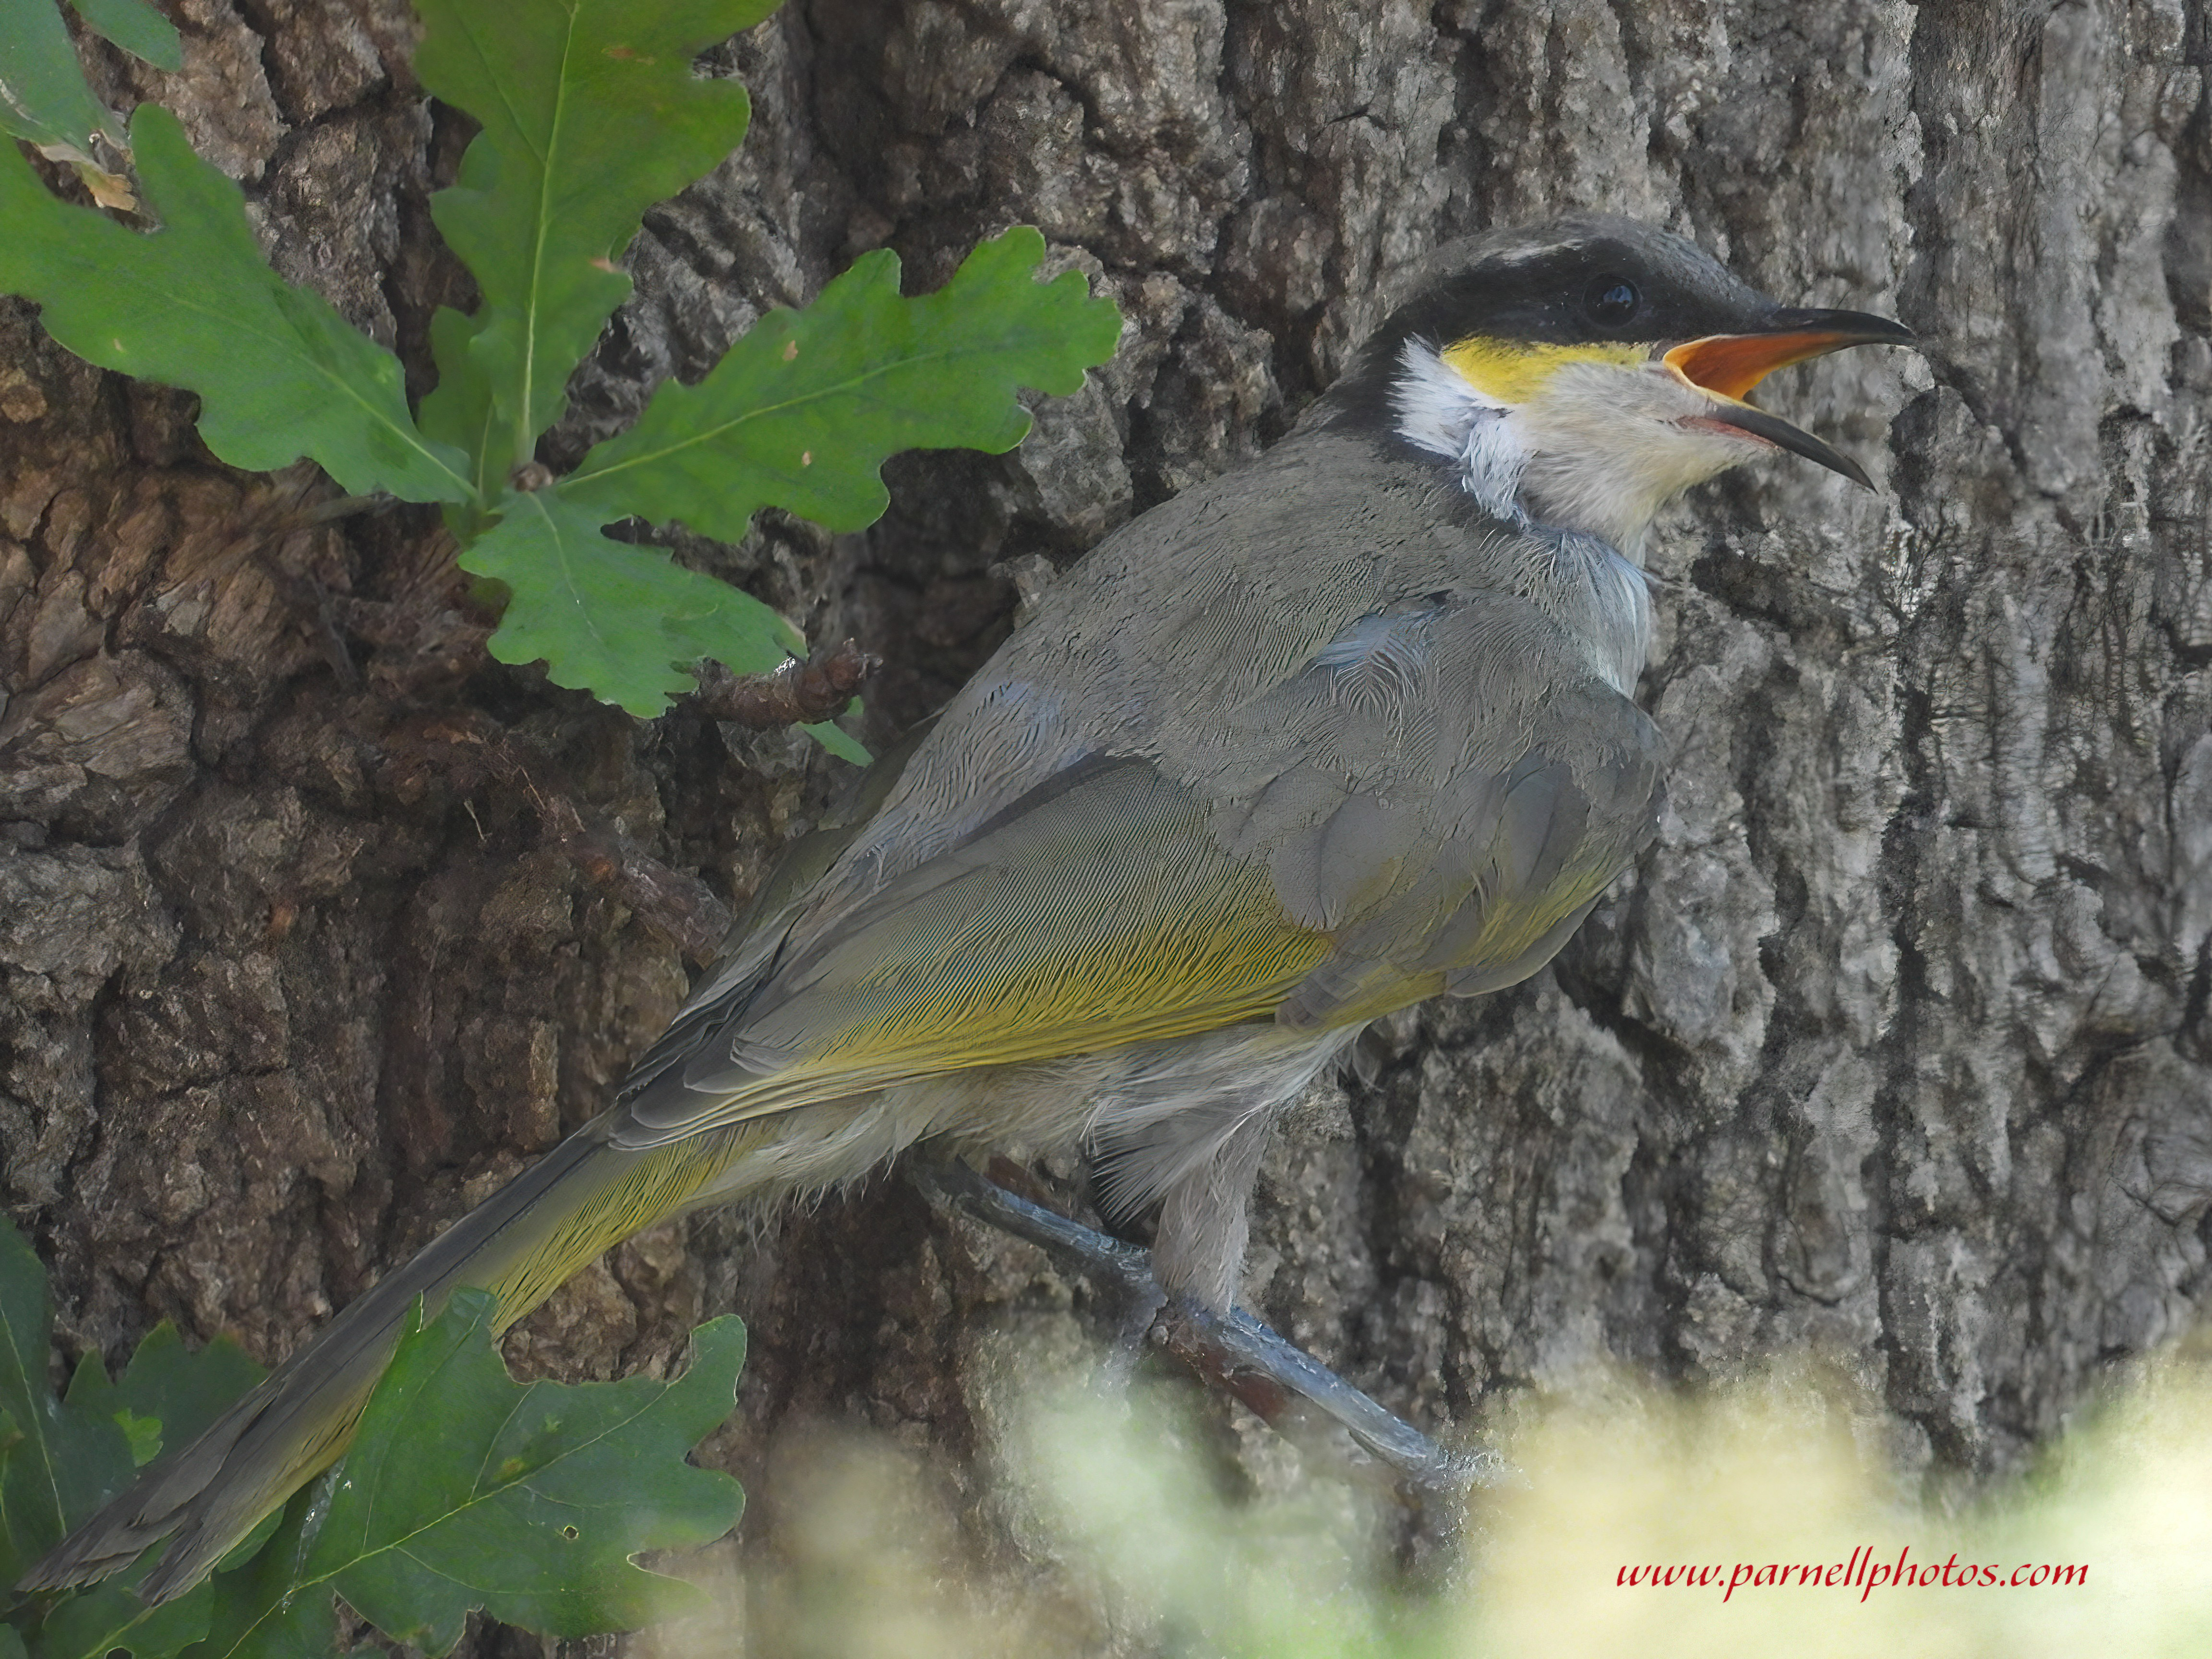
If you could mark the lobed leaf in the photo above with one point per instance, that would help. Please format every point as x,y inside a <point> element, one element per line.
<point>463,1489</point>
<point>624,623</point>
<point>279,373</point>
<point>178,1391</point>
<point>458,410</point>
<point>258,1610</point>
<point>804,409</point>
<point>590,113</point>
<point>60,1462</point>
<point>66,1457</point>
<point>837,740</point>
<point>95,1622</point>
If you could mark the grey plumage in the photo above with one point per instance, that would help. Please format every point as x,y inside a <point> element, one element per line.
<point>1406,769</point>
<point>1348,727</point>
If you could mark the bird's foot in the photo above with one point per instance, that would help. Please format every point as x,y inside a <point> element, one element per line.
<point>1282,1384</point>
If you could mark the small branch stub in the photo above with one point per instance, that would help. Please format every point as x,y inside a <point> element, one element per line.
<point>796,694</point>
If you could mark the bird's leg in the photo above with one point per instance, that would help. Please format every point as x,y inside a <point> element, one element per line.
<point>1231,1351</point>
<point>1119,1274</point>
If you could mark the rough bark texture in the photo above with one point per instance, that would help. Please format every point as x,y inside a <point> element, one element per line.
<point>1895,1045</point>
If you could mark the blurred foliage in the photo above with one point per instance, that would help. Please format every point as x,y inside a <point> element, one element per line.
<point>62,1455</point>
<point>1106,1529</point>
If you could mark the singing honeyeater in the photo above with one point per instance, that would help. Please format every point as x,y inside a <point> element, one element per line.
<point>1344,728</point>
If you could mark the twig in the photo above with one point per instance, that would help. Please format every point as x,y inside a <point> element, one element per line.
<point>796,694</point>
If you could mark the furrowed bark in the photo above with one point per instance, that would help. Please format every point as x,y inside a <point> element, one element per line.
<point>1894,1047</point>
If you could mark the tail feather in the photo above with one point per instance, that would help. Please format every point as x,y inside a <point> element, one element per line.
<point>521,1243</point>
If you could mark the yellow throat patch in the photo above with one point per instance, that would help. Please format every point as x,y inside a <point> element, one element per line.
<point>1513,371</point>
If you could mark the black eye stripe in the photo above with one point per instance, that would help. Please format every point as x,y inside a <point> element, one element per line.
<point>1612,301</point>
<point>1553,295</point>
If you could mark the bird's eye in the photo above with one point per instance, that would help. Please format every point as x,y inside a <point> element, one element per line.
<point>1613,301</point>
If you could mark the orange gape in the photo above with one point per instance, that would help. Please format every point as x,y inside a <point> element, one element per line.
<point>1731,364</point>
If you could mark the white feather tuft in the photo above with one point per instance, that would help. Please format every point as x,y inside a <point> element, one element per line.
<point>1439,410</point>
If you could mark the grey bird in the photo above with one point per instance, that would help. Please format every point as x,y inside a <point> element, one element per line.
<point>1346,728</point>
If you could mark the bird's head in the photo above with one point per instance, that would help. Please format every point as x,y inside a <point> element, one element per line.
<point>1581,373</point>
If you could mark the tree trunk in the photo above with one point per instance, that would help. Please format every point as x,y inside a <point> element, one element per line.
<point>1894,1047</point>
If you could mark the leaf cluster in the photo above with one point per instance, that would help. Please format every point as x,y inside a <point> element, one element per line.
<point>532,1505</point>
<point>590,112</point>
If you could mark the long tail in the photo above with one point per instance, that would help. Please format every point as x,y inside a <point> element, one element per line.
<point>521,1243</point>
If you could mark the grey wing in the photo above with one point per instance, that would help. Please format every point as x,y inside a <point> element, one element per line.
<point>1428,804</point>
<point>1445,789</point>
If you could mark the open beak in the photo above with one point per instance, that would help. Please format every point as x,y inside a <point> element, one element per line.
<point>1726,366</point>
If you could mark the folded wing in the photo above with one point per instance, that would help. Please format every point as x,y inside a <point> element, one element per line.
<point>1430,803</point>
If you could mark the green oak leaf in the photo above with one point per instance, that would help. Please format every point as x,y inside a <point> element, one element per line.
<point>458,411</point>
<point>43,96</point>
<point>136,27</point>
<point>177,1391</point>
<point>837,741</point>
<point>63,1462</point>
<point>81,1450</point>
<point>260,1610</point>
<point>95,1622</point>
<point>623,622</point>
<point>803,410</point>
<point>144,1434</point>
<point>279,373</point>
<point>463,1489</point>
<point>590,113</point>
